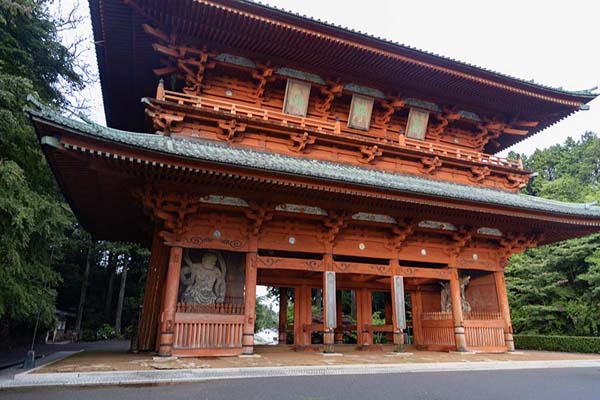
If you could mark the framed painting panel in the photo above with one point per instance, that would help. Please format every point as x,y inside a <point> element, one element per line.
<point>416,128</point>
<point>296,98</point>
<point>361,109</point>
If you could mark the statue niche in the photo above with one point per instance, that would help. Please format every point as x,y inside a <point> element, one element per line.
<point>203,282</point>
<point>446,300</point>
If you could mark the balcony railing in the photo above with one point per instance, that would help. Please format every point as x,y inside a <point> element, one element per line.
<point>328,127</point>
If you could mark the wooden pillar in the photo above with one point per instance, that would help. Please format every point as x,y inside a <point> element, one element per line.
<point>148,327</point>
<point>167,336</point>
<point>364,314</point>
<point>249,303</point>
<point>504,309</point>
<point>416,302</point>
<point>398,308</point>
<point>329,308</point>
<point>457,313</point>
<point>302,316</point>
<point>283,306</point>
<point>339,314</point>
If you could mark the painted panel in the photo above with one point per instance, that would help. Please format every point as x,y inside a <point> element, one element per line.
<point>361,109</point>
<point>296,98</point>
<point>416,128</point>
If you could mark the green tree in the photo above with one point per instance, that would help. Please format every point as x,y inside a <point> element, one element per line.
<point>33,216</point>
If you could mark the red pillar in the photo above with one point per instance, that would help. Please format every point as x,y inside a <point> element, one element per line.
<point>283,306</point>
<point>249,304</point>
<point>166,339</point>
<point>339,331</point>
<point>364,317</point>
<point>457,313</point>
<point>504,309</point>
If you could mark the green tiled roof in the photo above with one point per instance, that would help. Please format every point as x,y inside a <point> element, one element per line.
<point>322,170</point>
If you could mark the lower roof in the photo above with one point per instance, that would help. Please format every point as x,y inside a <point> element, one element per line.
<point>220,154</point>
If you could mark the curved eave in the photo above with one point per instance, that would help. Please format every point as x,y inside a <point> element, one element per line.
<point>126,59</point>
<point>180,154</point>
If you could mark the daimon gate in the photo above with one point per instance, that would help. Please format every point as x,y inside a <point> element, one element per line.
<point>272,149</point>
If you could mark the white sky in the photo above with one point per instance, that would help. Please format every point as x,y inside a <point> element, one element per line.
<point>552,42</point>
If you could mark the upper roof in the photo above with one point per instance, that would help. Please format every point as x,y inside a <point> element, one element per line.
<point>126,59</point>
<point>316,169</point>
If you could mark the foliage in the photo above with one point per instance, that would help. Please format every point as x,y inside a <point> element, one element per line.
<point>266,318</point>
<point>571,344</point>
<point>554,289</point>
<point>106,332</point>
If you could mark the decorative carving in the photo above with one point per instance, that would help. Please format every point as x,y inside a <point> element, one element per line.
<point>300,142</point>
<point>478,174</point>
<point>430,164</point>
<point>231,130</point>
<point>516,181</point>
<point>516,243</point>
<point>449,114</point>
<point>332,90</point>
<point>369,154</point>
<point>189,63</point>
<point>333,224</point>
<point>263,74</point>
<point>389,105</point>
<point>204,281</point>
<point>462,238</point>
<point>163,120</point>
<point>446,299</point>
<point>258,214</point>
<point>396,240</point>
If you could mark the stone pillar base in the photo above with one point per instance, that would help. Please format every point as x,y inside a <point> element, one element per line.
<point>509,341</point>
<point>248,344</point>
<point>328,340</point>
<point>461,341</point>
<point>398,339</point>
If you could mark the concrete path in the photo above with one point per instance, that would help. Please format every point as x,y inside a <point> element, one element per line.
<point>532,384</point>
<point>28,379</point>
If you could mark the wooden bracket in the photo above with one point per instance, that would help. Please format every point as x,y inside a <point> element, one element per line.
<point>231,130</point>
<point>263,74</point>
<point>461,238</point>
<point>187,62</point>
<point>399,234</point>
<point>258,214</point>
<point>513,243</point>
<point>163,120</point>
<point>389,105</point>
<point>444,118</point>
<point>516,181</point>
<point>332,225</point>
<point>301,142</point>
<point>369,154</point>
<point>331,91</point>
<point>430,164</point>
<point>478,174</point>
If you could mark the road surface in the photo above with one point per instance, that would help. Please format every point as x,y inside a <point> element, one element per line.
<point>548,384</point>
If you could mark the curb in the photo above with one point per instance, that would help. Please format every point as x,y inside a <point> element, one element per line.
<point>200,375</point>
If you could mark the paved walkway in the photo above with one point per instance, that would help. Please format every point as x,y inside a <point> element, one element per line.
<point>92,368</point>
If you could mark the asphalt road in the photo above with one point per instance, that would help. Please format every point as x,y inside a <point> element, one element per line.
<point>549,384</point>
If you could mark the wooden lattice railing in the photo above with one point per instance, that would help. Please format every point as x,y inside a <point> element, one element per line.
<point>483,330</point>
<point>208,331</point>
<point>328,127</point>
<point>211,308</point>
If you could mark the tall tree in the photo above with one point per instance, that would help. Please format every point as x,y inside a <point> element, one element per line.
<point>125,267</point>
<point>33,217</point>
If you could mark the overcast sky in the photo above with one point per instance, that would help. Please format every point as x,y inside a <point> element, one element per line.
<point>552,42</point>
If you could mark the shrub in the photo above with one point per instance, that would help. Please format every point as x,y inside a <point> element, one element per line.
<point>571,344</point>
<point>106,332</point>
